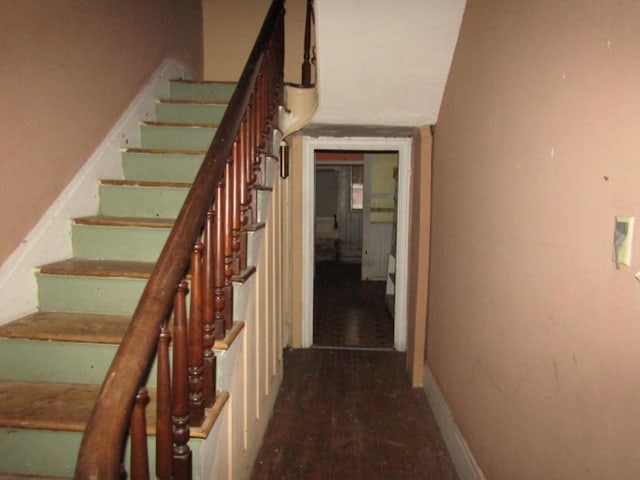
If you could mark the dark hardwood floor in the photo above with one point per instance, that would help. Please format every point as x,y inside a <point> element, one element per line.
<point>351,414</point>
<point>348,312</point>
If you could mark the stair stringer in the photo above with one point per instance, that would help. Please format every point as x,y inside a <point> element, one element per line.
<point>251,369</point>
<point>49,240</point>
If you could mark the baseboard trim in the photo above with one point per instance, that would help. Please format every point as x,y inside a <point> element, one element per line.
<point>49,240</point>
<point>461,455</point>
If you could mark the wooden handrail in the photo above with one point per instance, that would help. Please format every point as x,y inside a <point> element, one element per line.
<point>101,449</point>
<point>306,63</point>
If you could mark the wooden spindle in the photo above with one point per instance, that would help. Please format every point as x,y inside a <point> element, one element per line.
<point>164,437</point>
<point>180,390</point>
<point>208,326</point>
<point>196,348</point>
<point>218,265</point>
<point>139,454</point>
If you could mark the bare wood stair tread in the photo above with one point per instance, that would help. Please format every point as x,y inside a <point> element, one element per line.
<point>107,221</point>
<point>12,476</point>
<point>99,268</point>
<point>67,406</point>
<point>46,406</point>
<point>68,327</point>
<point>143,183</point>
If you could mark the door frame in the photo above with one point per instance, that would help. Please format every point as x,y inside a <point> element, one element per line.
<point>370,144</point>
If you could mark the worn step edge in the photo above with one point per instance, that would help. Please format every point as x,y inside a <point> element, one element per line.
<point>160,151</point>
<point>230,337</point>
<point>13,476</point>
<point>175,101</point>
<point>66,407</point>
<point>68,327</point>
<point>203,82</point>
<point>109,221</point>
<point>242,277</point>
<point>180,124</point>
<point>98,268</point>
<point>142,183</point>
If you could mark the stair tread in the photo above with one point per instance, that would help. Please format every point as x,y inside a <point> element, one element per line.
<point>68,327</point>
<point>54,406</point>
<point>204,82</point>
<point>99,268</point>
<point>176,101</point>
<point>46,406</point>
<point>143,183</point>
<point>180,124</point>
<point>13,476</point>
<point>159,151</point>
<point>104,220</point>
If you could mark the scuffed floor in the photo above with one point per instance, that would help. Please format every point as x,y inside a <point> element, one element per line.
<point>348,312</point>
<point>351,414</point>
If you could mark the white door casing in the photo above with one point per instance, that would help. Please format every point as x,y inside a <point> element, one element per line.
<point>403,147</point>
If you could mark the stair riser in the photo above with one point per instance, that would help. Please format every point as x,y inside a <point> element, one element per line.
<point>52,453</point>
<point>118,243</point>
<point>75,293</point>
<point>156,167</point>
<point>38,452</point>
<point>176,137</point>
<point>210,92</point>
<point>189,113</point>
<point>136,201</point>
<point>50,361</point>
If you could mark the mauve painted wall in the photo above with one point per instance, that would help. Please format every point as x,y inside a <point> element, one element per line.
<point>534,336</point>
<point>69,69</point>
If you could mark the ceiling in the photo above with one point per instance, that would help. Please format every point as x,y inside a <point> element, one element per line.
<point>383,62</point>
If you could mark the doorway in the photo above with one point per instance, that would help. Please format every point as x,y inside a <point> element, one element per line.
<point>354,225</point>
<point>374,144</point>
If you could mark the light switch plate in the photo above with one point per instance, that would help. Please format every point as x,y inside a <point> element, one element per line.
<point>622,239</point>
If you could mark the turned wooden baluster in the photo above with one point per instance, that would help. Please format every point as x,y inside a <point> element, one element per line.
<point>139,453</point>
<point>231,263</point>
<point>208,324</point>
<point>180,390</point>
<point>219,299</point>
<point>246,194</point>
<point>196,350</point>
<point>239,233</point>
<point>164,436</point>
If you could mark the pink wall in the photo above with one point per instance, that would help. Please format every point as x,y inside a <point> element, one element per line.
<point>534,336</point>
<point>70,68</point>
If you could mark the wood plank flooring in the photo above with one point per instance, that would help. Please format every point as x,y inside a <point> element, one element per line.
<point>351,414</point>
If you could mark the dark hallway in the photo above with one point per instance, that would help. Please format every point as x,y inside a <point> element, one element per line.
<point>347,311</point>
<point>350,412</point>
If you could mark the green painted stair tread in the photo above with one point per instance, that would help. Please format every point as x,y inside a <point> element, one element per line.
<point>68,327</point>
<point>53,406</point>
<point>99,268</point>
<point>177,101</point>
<point>109,221</point>
<point>176,136</point>
<point>207,90</point>
<point>161,165</point>
<point>184,111</point>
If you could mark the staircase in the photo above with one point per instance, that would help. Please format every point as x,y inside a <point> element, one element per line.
<point>53,362</point>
